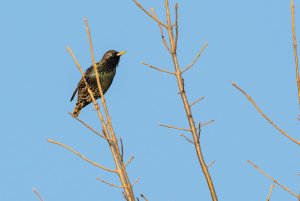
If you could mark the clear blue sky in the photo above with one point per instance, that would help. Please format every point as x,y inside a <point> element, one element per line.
<point>249,43</point>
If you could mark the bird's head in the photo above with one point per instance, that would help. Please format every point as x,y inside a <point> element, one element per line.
<point>112,58</point>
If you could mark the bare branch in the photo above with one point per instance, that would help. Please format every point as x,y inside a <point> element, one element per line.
<point>149,14</point>
<point>264,115</point>
<point>110,184</point>
<point>271,178</point>
<point>206,123</point>
<point>211,164</point>
<point>187,139</point>
<point>144,197</point>
<point>159,69</point>
<point>81,156</point>
<point>196,58</point>
<point>295,49</point>
<point>136,181</point>
<point>196,101</point>
<point>161,32</point>
<point>37,194</point>
<point>176,25</point>
<point>89,127</point>
<point>122,149</point>
<point>129,161</point>
<point>173,127</point>
<point>270,192</point>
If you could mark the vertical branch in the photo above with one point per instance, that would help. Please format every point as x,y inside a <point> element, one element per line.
<point>120,167</point>
<point>187,106</point>
<point>295,49</point>
<point>180,83</point>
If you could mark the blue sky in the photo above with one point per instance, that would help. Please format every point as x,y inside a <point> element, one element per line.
<point>250,43</point>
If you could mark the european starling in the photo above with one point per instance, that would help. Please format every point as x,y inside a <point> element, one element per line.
<point>106,71</point>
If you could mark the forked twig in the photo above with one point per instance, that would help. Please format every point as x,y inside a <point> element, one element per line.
<point>196,58</point>
<point>274,180</point>
<point>81,156</point>
<point>264,115</point>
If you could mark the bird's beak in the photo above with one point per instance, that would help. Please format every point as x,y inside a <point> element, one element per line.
<point>121,53</point>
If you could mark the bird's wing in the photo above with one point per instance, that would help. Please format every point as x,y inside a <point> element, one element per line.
<point>74,93</point>
<point>88,73</point>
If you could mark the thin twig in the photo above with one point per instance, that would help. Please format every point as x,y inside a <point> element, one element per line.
<point>81,156</point>
<point>207,123</point>
<point>176,25</point>
<point>196,101</point>
<point>89,127</point>
<point>173,127</point>
<point>122,149</point>
<point>264,115</point>
<point>211,164</point>
<point>196,58</point>
<point>271,178</point>
<point>129,161</point>
<point>159,69</point>
<point>149,14</point>
<point>295,49</point>
<point>136,181</point>
<point>187,139</point>
<point>144,197</point>
<point>270,192</point>
<point>110,184</point>
<point>37,194</point>
<point>161,32</point>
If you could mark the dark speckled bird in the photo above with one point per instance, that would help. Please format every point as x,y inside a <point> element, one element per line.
<point>106,71</point>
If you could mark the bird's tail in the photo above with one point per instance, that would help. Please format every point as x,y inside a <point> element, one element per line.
<point>77,109</point>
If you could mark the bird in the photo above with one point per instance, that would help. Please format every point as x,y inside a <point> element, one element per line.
<point>106,70</point>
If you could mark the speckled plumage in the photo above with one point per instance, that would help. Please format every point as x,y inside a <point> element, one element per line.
<point>106,70</point>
